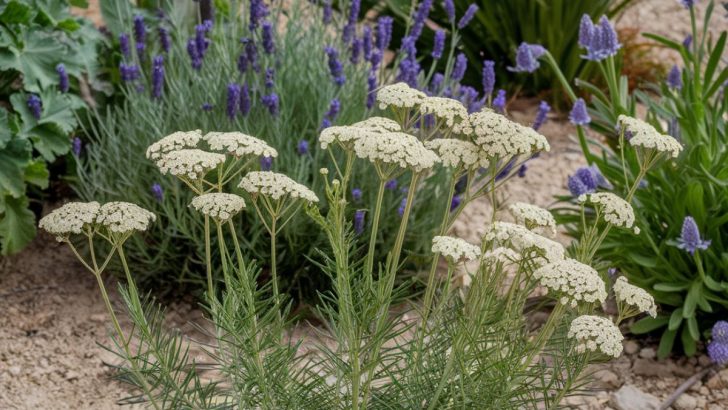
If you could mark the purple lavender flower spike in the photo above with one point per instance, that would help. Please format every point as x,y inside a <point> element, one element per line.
<point>458,71</point>
<point>449,7</point>
<point>718,352</point>
<point>233,99</point>
<point>271,102</point>
<point>35,105</point>
<point>355,50</point>
<point>63,83</point>
<point>268,42</point>
<point>687,42</point>
<point>488,77</point>
<point>366,42</point>
<point>437,80</point>
<point>527,58</point>
<point>302,147</point>
<point>384,32</point>
<point>325,123</point>
<point>421,14</point>
<point>543,110</point>
<point>335,67</point>
<point>124,45</point>
<point>140,30</point>
<point>579,114</point>
<point>327,11</point>
<point>242,63</point>
<point>438,45</point>
<point>468,16</point>
<point>499,103</point>
<point>207,107</point>
<point>251,52</point>
<point>371,94</point>
<point>195,57</point>
<point>270,78</point>
<point>674,78</point>
<point>349,29</point>
<point>244,100</point>
<point>391,185</point>
<point>76,146</point>
<point>375,59</point>
<point>356,195</point>
<point>359,221</point>
<point>164,40</point>
<point>201,42</point>
<point>455,203</point>
<point>402,206</point>
<point>157,192</point>
<point>266,163</point>
<point>720,331</point>
<point>334,108</point>
<point>258,11</point>
<point>129,72</point>
<point>689,239</point>
<point>157,76</point>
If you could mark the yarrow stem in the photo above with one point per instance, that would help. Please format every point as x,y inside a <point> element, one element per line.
<point>369,265</point>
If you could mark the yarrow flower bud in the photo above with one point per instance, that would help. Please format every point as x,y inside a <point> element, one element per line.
<point>238,144</point>
<point>646,136</point>
<point>276,186</point>
<point>455,249</point>
<point>35,105</point>
<point>219,206</point>
<point>674,78</point>
<point>579,114</point>
<point>533,217</point>
<point>468,16</point>
<point>613,209</point>
<point>527,58</point>
<point>631,295</point>
<point>71,218</point>
<point>124,217</point>
<point>689,239</point>
<point>438,44</point>
<point>572,282</point>
<point>596,333</point>
<point>173,142</point>
<point>63,83</point>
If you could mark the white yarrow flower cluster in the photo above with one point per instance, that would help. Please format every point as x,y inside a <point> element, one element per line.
<point>632,295</point>
<point>503,255</point>
<point>453,112</point>
<point>615,210</point>
<point>124,217</point>
<point>343,134</point>
<point>533,217</point>
<point>239,144</point>
<point>455,249</point>
<point>276,186</point>
<point>500,137</point>
<point>190,163</point>
<point>218,205</point>
<point>70,218</point>
<point>646,136</point>
<point>399,95</point>
<point>378,124</point>
<point>173,142</point>
<point>527,243</point>
<point>572,281</point>
<point>456,153</point>
<point>596,333</point>
<point>396,148</point>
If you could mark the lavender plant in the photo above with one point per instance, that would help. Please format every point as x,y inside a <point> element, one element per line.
<point>670,166</point>
<point>471,341</point>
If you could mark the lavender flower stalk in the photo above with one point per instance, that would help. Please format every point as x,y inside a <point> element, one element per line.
<point>271,102</point>
<point>359,221</point>
<point>270,78</point>
<point>233,99</point>
<point>335,66</point>
<point>449,7</point>
<point>140,34</point>
<point>268,42</point>
<point>674,78</point>
<point>499,103</point>
<point>488,77</point>
<point>157,76</point>
<point>371,91</point>
<point>461,65</point>
<point>164,40</point>
<point>327,11</point>
<point>384,32</point>
<point>366,42</point>
<point>63,84</point>
<point>543,110</point>
<point>124,45</point>
<point>418,22</point>
<point>468,16</point>
<point>438,45</point>
<point>195,56</point>
<point>129,72</point>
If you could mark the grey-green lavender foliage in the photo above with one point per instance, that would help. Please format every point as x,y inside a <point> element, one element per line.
<point>469,344</point>
<point>113,168</point>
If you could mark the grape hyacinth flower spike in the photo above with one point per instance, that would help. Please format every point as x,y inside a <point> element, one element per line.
<point>599,40</point>
<point>543,110</point>
<point>689,239</point>
<point>35,105</point>
<point>438,45</point>
<point>499,103</point>
<point>63,84</point>
<point>579,114</point>
<point>527,57</point>
<point>674,78</point>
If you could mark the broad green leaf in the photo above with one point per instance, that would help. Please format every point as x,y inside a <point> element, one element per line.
<point>36,57</point>
<point>13,160</point>
<point>54,13</point>
<point>50,141</point>
<point>648,324</point>
<point>693,328</point>
<point>79,3</point>
<point>17,224</point>
<point>675,319</point>
<point>16,12</point>
<point>116,14</point>
<point>691,300</point>
<point>5,133</point>
<point>666,342</point>
<point>671,287</point>
<point>36,173</point>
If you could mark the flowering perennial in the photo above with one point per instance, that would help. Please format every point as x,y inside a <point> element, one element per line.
<point>378,124</point>
<point>646,136</point>
<point>397,148</point>
<point>239,144</point>
<point>529,244</point>
<point>596,333</point>
<point>218,205</point>
<point>689,239</point>
<point>124,217</point>
<point>503,255</point>
<point>190,163</point>
<point>399,95</point>
<point>453,112</point>
<point>533,217</point>
<point>343,134</point>
<point>500,137</point>
<point>174,142</point>
<point>632,295</point>
<point>572,281</point>
<point>455,249</point>
<point>275,185</point>
<point>456,153</point>
<point>70,218</point>
<point>615,210</point>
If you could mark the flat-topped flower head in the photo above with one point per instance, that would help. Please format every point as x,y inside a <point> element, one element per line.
<point>455,249</point>
<point>343,134</point>
<point>124,217</point>
<point>453,112</point>
<point>399,95</point>
<point>70,218</point>
<point>500,137</point>
<point>635,296</point>
<point>173,142</point>
<point>378,124</point>
<point>396,148</point>
<point>596,333</point>
<point>239,144</point>
<point>275,186</point>
<point>218,205</point>
<point>646,136</point>
<point>189,163</point>
<point>533,217</point>
<point>528,244</point>
<point>456,153</point>
<point>503,255</point>
<point>572,282</point>
<point>614,210</point>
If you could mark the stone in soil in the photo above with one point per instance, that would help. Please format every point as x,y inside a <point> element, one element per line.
<point>630,397</point>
